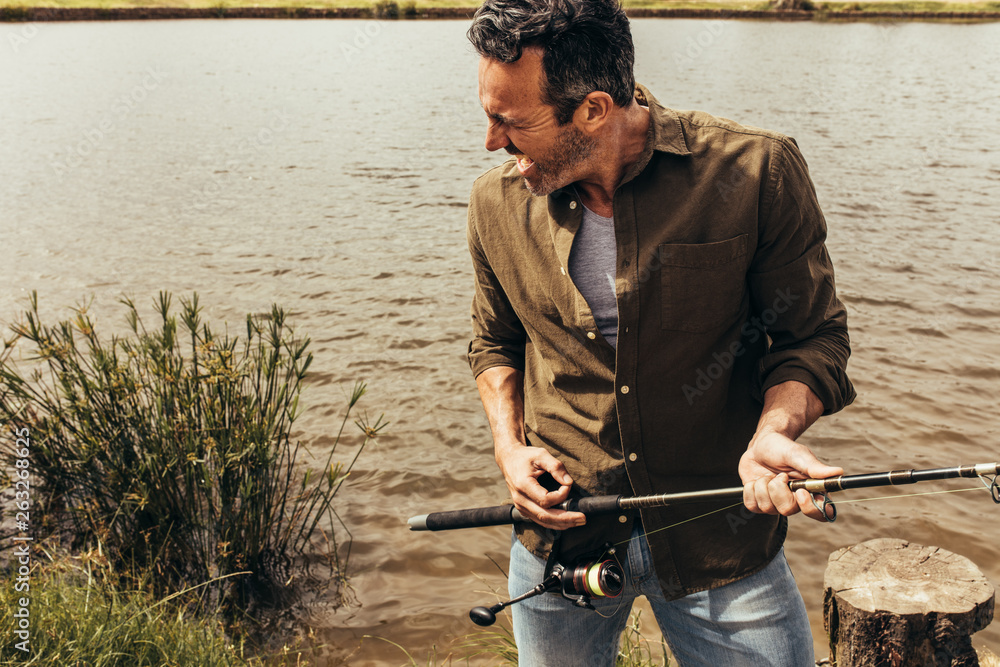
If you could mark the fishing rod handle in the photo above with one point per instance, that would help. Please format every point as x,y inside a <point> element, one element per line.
<point>504,514</point>
<point>470,518</point>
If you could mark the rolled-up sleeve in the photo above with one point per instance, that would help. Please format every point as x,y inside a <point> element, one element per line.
<point>792,287</point>
<point>498,335</point>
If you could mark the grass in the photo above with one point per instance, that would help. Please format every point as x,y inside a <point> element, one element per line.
<point>378,8</point>
<point>988,658</point>
<point>82,616</point>
<point>908,6</point>
<point>171,447</point>
<point>496,645</point>
<point>389,9</point>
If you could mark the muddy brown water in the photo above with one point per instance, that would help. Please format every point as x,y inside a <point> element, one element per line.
<point>325,166</point>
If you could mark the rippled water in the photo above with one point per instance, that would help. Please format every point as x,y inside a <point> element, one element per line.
<point>325,166</point>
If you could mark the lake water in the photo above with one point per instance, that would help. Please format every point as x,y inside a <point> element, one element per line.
<point>326,165</point>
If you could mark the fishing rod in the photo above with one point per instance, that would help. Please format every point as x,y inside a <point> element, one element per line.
<point>602,576</point>
<point>507,514</point>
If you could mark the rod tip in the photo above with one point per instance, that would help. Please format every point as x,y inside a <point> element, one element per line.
<point>418,522</point>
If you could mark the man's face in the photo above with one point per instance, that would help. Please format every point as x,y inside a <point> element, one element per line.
<point>549,155</point>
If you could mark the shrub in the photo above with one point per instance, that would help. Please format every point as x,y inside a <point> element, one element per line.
<point>172,448</point>
<point>386,9</point>
<point>14,14</point>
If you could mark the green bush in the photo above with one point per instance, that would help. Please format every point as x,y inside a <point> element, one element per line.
<point>13,14</point>
<point>171,447</point>
<point>386,9</point>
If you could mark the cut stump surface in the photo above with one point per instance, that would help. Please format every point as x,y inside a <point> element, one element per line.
<point>894,603</point>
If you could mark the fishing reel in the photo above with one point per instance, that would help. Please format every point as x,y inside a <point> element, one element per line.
<point>578,584</point>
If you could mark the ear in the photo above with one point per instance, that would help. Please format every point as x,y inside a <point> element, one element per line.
<point>594,111</point>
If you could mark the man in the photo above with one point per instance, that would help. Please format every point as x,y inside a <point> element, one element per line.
<point>654,312</point>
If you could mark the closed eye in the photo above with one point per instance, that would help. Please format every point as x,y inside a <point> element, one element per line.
<point>502,120</point>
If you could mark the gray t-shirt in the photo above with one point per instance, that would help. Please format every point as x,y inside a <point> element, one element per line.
<point>592,263</point>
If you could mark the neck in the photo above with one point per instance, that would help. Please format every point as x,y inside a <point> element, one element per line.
<point>618,150</point>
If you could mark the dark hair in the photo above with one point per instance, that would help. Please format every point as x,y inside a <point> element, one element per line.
<point>587,46</point>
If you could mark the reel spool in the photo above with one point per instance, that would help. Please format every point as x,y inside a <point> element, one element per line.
<point>596,580</point>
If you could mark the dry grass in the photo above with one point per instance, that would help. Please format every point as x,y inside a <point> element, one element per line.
<point>872,6</point>
<point>988,658</point>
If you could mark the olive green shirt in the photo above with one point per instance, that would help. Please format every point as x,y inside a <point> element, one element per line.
<point>724,289</point>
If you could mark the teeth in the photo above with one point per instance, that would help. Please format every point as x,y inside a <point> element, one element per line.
<point>524,163</point>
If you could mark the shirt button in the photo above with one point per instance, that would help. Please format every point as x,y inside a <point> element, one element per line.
<point>622,519</point>
<point>633,456</point>
<point>624,389</point>
<point>572,204</point>
<point>591,335</point>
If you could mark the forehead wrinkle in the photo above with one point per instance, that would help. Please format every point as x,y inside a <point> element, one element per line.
<point>496,115</point>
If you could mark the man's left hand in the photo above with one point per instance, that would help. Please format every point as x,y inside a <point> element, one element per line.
<point>773,457</point>
<point>766,468</point>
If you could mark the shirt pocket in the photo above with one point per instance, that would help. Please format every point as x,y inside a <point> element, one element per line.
<point>701,284</point>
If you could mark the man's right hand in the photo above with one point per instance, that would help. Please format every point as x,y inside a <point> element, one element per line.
<point>501,389</point>
<point>522,466</point>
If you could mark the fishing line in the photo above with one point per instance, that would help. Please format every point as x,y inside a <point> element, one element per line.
<point>590,579</point>
<point>674,525</point>
<point>621,598</point>
<point>910,495</point>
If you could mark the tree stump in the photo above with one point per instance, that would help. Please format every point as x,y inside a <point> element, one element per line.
<point>890,602</point>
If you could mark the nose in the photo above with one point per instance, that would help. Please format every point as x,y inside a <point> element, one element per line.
<point>496,138</point>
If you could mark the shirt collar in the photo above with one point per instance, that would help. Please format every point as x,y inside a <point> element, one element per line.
<point>665,125</point>
<point>664,134</point>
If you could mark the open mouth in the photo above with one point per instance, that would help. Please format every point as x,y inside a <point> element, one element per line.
<point>524,163</point>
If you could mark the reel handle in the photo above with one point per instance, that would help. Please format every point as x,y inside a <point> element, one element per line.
<point>486,616</point>
<point>578,584</point>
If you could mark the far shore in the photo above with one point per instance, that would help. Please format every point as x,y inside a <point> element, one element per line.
<point>111,10</point>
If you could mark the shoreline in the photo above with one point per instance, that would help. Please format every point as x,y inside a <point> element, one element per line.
<point>16,14</point>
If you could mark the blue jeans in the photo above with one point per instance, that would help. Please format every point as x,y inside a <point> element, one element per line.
<point>757,621</point>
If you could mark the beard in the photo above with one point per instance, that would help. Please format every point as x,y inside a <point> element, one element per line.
<point>571,148</point>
